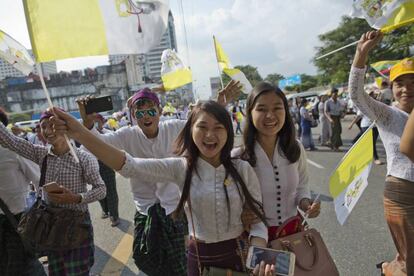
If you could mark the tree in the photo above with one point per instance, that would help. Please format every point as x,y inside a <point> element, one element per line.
<point>307,83</point>
<point>274,78</point>
<point>334,69</point>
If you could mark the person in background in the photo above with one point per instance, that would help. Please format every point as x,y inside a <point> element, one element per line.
<point>391,120</point>
<point>37,138</point>
<point>334,112</point>
<point>305,122</point>
<point>407,139</point>
<point>16,173</point>
<point>109,204</point>
<point>73,178</point>
<point>385,93</point>
<point>325,124</point>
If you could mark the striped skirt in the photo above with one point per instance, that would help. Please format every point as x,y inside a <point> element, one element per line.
<point>399,213</point>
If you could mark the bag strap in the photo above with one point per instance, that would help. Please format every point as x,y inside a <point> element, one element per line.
<point>8,214</point>
<point>42,176</point>
<point>195,237</point>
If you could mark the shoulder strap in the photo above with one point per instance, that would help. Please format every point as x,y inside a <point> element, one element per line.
<point>43,172</point>
<point>195,237</point>
<point>8,214</point>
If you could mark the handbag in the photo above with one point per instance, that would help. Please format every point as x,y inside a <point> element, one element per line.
<point>47,228</point>
<point>213,271</point>
<point>312,255</point>
<point>313,123</point>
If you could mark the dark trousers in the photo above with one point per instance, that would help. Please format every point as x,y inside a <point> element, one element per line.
<point>110,203</point>
<point>14,259</point>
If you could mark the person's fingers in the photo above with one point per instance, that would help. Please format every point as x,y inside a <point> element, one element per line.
<point>269,270</point>
<point>256,270</point>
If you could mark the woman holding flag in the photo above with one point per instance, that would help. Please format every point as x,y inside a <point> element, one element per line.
<point>390,120</point>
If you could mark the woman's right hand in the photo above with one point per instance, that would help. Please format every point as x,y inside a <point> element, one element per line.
<point>367,42</point>
<point>264,270</point>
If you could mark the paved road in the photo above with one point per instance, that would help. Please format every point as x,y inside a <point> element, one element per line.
<point>356,247</point>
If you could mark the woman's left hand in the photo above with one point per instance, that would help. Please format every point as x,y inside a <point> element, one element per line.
<point>63,196</point>
<point>264,270</point>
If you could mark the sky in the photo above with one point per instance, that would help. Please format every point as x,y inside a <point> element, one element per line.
<point>273,35</point>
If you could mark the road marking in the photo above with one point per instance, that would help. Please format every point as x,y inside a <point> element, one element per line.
<point>120,256</point>
<point>315,164</point>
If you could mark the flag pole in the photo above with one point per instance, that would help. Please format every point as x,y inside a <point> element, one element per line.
<point>49,100</point>
<point>218,65</point>
<point>337,50</point>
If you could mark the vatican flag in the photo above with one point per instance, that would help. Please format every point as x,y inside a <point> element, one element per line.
<point>349,180</point>
<point>15,53</point>
<point>174,73</point>
<point>386,15</point>
<point>233,73</point>
<point>76,28</point>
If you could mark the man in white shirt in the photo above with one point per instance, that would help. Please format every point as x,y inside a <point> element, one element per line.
<point>16,173</point>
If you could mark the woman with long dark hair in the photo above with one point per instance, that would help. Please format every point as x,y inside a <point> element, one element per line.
<point>278,159</point>
<point>215,188</point>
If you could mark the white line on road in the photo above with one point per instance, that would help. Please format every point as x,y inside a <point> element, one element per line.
<point>315,164</point>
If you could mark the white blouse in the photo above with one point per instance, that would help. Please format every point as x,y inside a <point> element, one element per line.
<point>208,200</point>
<point>390,121</point>
<point>283,183</point>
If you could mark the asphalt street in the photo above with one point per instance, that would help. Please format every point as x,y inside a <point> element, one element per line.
<point>356,247</point>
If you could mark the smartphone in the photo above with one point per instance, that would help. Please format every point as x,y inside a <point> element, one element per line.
<point>101,104</point>
<point>284,261</point>
<point>52,187</point>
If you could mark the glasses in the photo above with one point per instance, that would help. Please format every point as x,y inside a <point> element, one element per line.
<point>139,114</point>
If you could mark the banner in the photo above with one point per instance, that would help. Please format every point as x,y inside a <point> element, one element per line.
<point>15,54</point>
<point>290,81</point>
<point>75,28</point>
<point>174,73</point>
<point>386,15</point>
<point>349,180</point>
<point>233,73</point>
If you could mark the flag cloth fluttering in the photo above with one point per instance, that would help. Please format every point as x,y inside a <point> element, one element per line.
<point>174,73</point>
<point>383,67</point>
<point>76,28</point>
<point>349,180</point>
<point>233,73</point>
<point>15,54</point>
<point>386,15</point>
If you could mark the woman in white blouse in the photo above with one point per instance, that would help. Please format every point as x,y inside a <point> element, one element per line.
<point>390,120</point>
<point>214,186</point>
<point>278,159</point>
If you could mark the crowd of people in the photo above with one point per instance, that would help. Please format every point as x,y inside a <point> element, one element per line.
<point>191,187</point>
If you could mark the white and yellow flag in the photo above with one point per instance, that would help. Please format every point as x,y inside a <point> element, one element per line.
<point>15,54</point>
<point>174,73</point>
<point>75,28</point>
<point>233,73</point>
<point>349,180</point>
<point>386,15</point>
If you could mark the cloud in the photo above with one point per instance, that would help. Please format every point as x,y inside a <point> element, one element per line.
<point>275,36</point>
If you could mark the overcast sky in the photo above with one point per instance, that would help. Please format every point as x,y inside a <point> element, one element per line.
<point>274,35</point>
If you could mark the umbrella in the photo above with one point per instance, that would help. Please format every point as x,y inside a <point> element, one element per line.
<point>15,53</point>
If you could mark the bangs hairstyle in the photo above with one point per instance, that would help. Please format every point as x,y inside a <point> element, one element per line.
<point>186,147</point>
<point>288,145</point>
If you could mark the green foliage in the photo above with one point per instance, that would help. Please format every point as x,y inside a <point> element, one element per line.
<point>14,118</point>
<point>274,78</point>
<point>334,69</point>
<point>307,83</point>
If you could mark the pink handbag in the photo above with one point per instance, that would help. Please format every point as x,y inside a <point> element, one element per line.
<point>312,255</point>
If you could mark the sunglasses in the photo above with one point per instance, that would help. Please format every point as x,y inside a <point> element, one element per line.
<point>139,114</point>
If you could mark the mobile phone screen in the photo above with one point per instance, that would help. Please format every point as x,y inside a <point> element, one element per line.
<point>281,260</point>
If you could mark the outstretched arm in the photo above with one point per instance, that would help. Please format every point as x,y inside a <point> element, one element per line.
<point>111,156</point>
<point>407,139</point>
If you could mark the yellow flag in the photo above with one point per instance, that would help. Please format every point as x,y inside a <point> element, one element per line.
<point>174,73</point>
<point>74,28</point>
<point>386,15</point>
<point>222,58</point>
<point>349,180</point>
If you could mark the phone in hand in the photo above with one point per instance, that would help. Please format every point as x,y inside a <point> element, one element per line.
<point>101,104</point>
<point>52,187</point>
<point>283,261</point>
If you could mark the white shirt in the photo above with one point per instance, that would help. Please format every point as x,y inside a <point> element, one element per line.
<point>133,141</point>
<point>390,121</point>
<point>207,194</point>
<point>16,173</point>
<point>283,184</point>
